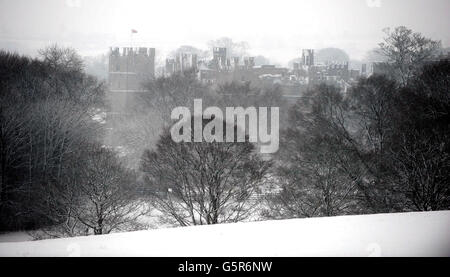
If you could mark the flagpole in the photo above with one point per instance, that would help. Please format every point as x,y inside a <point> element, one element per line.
<point>127,73</point>
<point>127,52</point>
<point>130,51</point>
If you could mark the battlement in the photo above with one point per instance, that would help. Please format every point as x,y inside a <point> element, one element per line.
<point>129,69</point>
<point>337,65</point>
<point>132,51</point>
<point>129,60</point>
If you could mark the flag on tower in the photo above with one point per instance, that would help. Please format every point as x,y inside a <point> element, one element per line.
<point>133,31</point>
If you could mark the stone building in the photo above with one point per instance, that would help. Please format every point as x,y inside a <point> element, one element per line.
<point>127,71</point>
<point>181,63</point>
<point>308,57</point>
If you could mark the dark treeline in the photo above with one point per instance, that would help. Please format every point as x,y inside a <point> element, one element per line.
<point>382,146</point>
<point>53,167</point>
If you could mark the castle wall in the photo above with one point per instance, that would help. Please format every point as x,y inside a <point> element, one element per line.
<point>128,70</point>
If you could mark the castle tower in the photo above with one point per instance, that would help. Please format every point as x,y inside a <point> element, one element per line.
<point>308,57</point>
<point>127,72</point>
<point>220,57</point>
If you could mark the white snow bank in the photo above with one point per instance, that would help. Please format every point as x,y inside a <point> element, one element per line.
<point>401,234</point>
<point>14,237</point>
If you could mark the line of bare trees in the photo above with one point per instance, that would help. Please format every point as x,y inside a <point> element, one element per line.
<point>54,172</point>
<point>382,146</point>
<point>203,183</point>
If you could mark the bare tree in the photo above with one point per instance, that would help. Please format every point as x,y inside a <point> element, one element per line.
<point>64,57</point>
<point>108,193</point>
<point>203,183</point>
<point>371,108</point>
<point>13,158</point>
<point>419,148</point>
<point>407,51</point>
<point>95,193</point>
<point>45,110</point>
<point>380,148</point>
<point>313,160</point>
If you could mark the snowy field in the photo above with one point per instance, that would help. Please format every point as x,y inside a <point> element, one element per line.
<point>15,237</point>
<point>401,234</point>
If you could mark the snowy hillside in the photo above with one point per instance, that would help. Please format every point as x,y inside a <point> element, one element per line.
<point>402,234</point>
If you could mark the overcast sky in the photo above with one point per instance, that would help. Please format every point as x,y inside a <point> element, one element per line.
<point>276,29</point>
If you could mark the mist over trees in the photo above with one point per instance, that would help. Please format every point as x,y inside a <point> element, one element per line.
<point>96,66</point>
<point>326,55</point>
<point>330,54</point>
<point>201,54</point>
<point>313,159</point>
<point>47,137</point>
<point>380,146</point>
<point>375,55</point>
<point>45,108</point>
<point>166,93</point>
<point>261,60</point>
<point>234,49</point>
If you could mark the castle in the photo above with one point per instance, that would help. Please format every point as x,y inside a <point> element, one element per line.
<point>127,72</point>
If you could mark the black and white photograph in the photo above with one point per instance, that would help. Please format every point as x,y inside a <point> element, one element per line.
<point>224,128</point>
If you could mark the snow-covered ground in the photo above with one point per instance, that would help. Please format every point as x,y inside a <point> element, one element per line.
<point>15,237</point>
<point>401,234</point>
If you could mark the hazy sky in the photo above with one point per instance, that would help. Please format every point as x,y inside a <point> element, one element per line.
<point>276,29</point>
